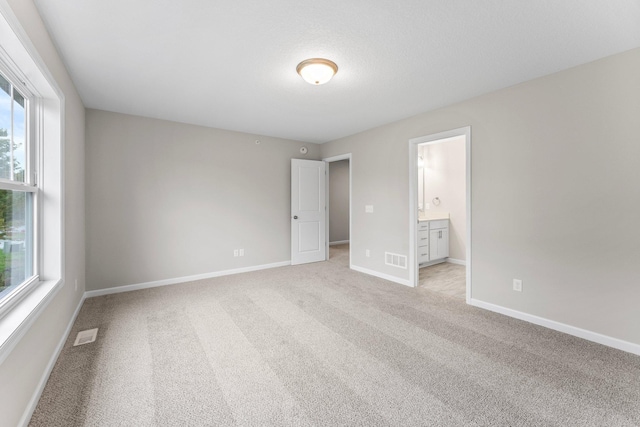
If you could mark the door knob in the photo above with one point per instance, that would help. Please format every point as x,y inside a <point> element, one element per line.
<point>295,217</point>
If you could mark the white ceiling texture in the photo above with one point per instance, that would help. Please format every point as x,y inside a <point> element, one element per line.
<point>231,64</point>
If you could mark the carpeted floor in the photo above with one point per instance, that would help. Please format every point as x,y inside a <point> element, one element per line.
<point>339,254</point>
<point>445,278</point>
<point>319,344</point>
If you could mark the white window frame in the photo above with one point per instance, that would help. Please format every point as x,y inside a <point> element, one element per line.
<point>30,184</point>
<point>21,57</point>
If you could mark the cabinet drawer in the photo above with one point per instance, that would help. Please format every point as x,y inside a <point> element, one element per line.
<point>441,223</point>
<point>423,254</point>
<point>423,225</point>
<point>423,238</point>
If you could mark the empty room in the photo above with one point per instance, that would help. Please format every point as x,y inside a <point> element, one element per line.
<point>410,213</point>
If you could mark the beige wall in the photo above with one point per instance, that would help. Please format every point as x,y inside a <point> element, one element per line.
<point>445,177</point>
<point>168,200</point>
<point>339,201</point>
<point>21,372</point>
<point>555,199</point>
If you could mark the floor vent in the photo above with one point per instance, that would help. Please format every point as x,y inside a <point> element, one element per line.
<point>85,337</point>
<point>395,260</point>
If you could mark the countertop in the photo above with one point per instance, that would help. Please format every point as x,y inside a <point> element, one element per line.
<point>428,216</point>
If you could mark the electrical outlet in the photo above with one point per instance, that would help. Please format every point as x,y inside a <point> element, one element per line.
<point>367,253</point>
<point>368,208</point>
<point>427,206</point>
<point>241,252</point>
<point>517,285</point>
<point>235,252</point>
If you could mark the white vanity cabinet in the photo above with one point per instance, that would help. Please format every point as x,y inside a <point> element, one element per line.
<point>433,240</point>
<point>438,239</point>
<point>423,242</point>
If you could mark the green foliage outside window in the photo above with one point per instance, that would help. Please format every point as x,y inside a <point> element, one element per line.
<point>11,217</point>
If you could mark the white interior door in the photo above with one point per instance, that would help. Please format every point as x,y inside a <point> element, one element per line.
<point>308,213</point>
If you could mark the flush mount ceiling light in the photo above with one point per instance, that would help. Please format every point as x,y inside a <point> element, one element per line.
<point>317,71</point>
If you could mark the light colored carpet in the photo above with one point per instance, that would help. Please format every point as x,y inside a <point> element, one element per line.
<point>445,278</point>
<point>339,254</point>
<point>319,344</point>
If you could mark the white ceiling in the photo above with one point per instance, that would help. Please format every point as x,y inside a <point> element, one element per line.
<point>231,64</point>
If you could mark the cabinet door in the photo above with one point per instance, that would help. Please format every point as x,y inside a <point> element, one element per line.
<point>433,244</point>
<point>438,244</point>
<point>443,244</point>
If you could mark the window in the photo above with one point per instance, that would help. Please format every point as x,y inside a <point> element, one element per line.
<point>32,119</point>
<point>18,193</point>
<point>32,125</point>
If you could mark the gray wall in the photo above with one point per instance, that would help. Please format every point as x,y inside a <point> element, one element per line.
<point>167,200</point>
<point>555,195</point>
<point>21,372</point>
<point>339,201</point>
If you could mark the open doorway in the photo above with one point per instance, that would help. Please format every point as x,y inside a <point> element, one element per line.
<point>441,213</point>
<point>339,209</point>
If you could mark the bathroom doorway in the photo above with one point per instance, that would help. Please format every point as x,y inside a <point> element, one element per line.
<point>339,209</point>
<point>440,213</point>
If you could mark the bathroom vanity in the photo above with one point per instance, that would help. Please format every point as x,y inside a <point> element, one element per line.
<point>433,238</point>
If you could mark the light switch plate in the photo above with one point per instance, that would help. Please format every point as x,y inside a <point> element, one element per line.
<point>368,208</point>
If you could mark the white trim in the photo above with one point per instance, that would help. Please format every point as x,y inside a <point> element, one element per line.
<point>430,263</point>
<point>381,275</point>
<point>338,242</point>
<point>17,321</point>
<point>456,261</point>
<point>16,295</point>
<point>561,327</point>
<point>17,186</point>
<point>14,23</point>
<point>413,201</point>
<point>346,156</point>
<point>176,280</point>
<point>31,406</point>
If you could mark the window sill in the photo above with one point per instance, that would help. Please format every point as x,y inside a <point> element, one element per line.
<point>15,324</point>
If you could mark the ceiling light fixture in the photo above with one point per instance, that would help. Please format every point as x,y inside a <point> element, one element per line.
<point>317,71</point>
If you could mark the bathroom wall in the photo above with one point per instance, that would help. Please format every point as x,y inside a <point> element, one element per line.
<point>445,178</point>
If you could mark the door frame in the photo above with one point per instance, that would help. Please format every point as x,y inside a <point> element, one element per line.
<point>328,160</point>
<point>413,201</point>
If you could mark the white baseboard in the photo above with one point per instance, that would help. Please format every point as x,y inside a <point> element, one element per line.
<point>562,327</point>
<point>338,242</point>
<point>381,275</point>
<point>176,280</point>
<point>430,263</point>
<point>26,417</point>
<point>456,261</point>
